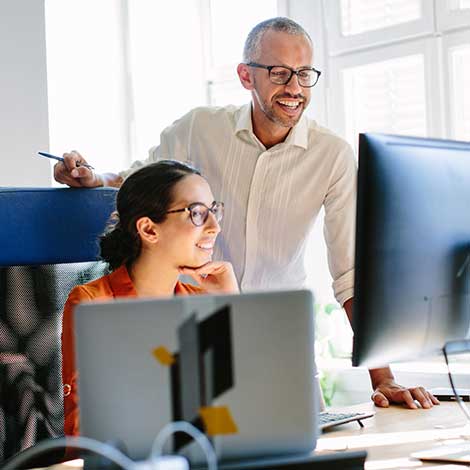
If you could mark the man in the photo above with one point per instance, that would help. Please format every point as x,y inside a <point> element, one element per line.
<point>274,169</point>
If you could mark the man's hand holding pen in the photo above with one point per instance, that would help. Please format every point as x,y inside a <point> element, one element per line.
<point>76,172</point>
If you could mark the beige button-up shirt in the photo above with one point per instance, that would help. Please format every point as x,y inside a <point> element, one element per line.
<point>272,196</point>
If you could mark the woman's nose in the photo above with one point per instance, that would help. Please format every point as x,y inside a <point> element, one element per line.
<point>212,225</point>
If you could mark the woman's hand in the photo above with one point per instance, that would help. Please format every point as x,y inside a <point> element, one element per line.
<point>214,277</point>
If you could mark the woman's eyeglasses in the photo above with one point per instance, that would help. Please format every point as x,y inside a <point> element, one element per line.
<point>199,212</point>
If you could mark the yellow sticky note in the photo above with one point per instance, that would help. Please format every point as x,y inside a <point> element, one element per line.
<point>163,356</point>
<point>217,420</point>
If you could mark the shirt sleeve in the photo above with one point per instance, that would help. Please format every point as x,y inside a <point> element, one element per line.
<point>340,224</point>
<point>69,372</point>
<point>174,144</point>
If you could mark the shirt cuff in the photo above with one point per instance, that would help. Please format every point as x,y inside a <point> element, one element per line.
<point>343,287</point>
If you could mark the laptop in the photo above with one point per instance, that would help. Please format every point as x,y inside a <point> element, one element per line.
<point>240,368</point>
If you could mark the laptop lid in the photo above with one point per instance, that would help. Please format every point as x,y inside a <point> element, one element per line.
<point>240,368</point>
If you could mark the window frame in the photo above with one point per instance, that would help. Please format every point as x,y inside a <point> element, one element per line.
<point>339,44</point>
<point>450,41</point>
<point>338,64</point>
<point>225,75</point>
<point>448,20</point>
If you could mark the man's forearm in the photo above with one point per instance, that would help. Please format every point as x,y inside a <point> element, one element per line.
<point>110,179</point>
<point>377,376</point>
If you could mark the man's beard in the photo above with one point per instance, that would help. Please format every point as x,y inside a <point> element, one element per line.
<point>270,113</point>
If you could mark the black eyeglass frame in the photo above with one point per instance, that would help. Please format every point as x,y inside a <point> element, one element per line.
<point>292,72</point>
<point>209,209</point>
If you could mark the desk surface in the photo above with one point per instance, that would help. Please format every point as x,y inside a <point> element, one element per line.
<point>394,433</point>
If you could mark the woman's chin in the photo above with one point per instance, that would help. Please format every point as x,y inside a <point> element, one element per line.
<point>199,262</point>
<point>204,259</point>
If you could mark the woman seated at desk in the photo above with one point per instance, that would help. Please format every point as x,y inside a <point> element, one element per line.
<point>165,225</point>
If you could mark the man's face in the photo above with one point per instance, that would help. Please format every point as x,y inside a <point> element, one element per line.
<point>283,105</point>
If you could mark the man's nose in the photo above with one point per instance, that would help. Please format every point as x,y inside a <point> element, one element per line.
<point>293,85</point>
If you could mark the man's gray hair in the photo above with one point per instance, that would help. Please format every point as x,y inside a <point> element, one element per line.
<point>251,51</point>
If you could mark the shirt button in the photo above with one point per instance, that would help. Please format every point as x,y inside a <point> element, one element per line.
<point>67,390</point>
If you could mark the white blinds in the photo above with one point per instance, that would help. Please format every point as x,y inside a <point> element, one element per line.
<point>386,96</point>
<point>458,4</point>
<point>460,72</point>
<point>358,16</point>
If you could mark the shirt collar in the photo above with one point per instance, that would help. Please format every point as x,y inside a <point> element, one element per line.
<point>121,283</point>
<point>244,119</point>
<point>122,286</point>
<point>298,135</point>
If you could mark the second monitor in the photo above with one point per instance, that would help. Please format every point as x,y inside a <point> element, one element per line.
<point>412,247</point>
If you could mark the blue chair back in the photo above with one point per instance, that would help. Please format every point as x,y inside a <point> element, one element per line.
<point>48,244</point>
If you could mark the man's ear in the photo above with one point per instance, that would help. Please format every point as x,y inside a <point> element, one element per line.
<point>245,76</point>
<point>147,230</point>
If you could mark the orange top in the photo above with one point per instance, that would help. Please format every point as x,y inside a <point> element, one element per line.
<point>114,285</point>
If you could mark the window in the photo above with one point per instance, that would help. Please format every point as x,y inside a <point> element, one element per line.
<point>460,73</point>
<point>356,24</point>
<point>386,95</point>
<point>361,16</point>
<point>408,84</point>
<point>227,25</point>
<point>86,86</point>
<point>114,88</point>
<point>457,52</point>
<point>165,67</point>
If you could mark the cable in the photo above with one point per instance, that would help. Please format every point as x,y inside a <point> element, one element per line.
<point>457,396</point>
<point>83,443</point>
<point>183,426</point>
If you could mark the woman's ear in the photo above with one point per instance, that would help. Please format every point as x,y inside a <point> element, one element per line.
<point>147,230</point>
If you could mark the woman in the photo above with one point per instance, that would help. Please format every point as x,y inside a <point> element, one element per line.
<point>165,225</point>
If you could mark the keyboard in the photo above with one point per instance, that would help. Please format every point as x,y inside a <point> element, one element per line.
<point>328,419</point>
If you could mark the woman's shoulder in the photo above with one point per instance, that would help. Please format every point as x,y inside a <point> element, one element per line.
<point>98,288</point>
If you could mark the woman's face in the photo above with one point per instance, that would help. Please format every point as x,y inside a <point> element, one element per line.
<point>180,241</point>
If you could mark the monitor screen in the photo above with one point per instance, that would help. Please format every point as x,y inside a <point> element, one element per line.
<point>412,247</point>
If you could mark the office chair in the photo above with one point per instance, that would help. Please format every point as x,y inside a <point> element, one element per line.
<point>48,244</point>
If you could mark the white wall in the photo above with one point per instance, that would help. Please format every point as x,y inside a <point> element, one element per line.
<point>23,94</point>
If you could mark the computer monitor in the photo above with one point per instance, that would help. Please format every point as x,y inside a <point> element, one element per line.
<point>412,247</point>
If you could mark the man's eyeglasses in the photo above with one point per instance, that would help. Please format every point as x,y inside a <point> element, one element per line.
<point>281,75</point>
<point>199,212</point>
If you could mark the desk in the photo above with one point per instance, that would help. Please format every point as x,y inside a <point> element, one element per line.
<point>394,433</point>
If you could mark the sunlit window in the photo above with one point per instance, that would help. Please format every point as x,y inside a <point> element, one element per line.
<point>86,87</point>
<point>230,23</point>
<point>460,70</point>
<point>459,4</point>
<point>358,16</point>
<point>386,96</point>
<point>166,66</point>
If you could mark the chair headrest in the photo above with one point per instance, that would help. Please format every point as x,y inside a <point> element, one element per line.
<point>52,225</point>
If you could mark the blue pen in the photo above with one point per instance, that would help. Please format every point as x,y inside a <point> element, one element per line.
<point>60,159</point>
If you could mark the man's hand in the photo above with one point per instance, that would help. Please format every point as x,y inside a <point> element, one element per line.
<point>73,172</point>
<point>215,277</point>
<point>389,392</point>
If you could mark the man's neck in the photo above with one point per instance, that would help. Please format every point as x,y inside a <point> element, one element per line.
<point>268,133</point>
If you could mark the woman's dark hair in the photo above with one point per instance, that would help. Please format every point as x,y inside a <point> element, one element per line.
<point>146,193</point>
